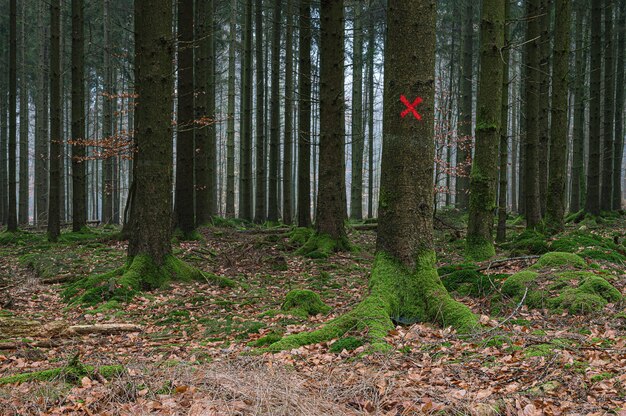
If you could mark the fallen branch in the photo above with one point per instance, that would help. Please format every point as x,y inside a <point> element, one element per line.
<point>102,329</point>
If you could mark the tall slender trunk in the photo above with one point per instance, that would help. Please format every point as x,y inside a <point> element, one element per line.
<point>288,142</point>
<point>245,189</point>
<point>272,207</point>
<point>592,202</point>
<point>107,121</point>
<point>42,131</point>
<point>304,115</point>
<point>12,200</point>
<point>371,47</point>
<point>606,191</point>
<point>259,205</point>
<point>54,220</point>
<point>230,133</point>
<point>356,188</point>
<point>559,127</point>
<point>578,163</point>
<point>4,186</point>
<point>619,110</point>
<point>464,144</point>
<point>24,121</point>
<point>544,101</point>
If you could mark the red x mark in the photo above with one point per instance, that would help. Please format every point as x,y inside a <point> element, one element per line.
<point>410,108</point>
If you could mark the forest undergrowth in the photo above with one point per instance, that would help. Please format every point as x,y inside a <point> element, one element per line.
<point>552,341</point>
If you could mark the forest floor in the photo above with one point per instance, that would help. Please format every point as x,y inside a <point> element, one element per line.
<point>192,353</point>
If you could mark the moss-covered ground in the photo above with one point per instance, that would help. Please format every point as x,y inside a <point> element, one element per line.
<point>556,350</point>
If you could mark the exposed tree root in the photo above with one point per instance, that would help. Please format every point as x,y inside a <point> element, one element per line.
<point>396,295</point>
<point>321,246</point>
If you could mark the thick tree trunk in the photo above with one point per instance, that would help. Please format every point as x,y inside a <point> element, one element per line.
<point>606,191</point>
<point>331,184</point>
<point>356,188</point>
<point>619,110</point>
<point>259,205</point>
<point>288,142</point>
<point>41,138</point>
<point>79,199</point>
<point>559,127</point>
<point>592,202</point>
<point>578,163</point>
<point>24,121</point>
<point>245,189</point>
<point>304,115</point>
<point>483,179</point>
<point>464,143</point>
<point>12,199</point>
<point>230,128</point>
<point>544,101</point>
<point>531,151</point>
<point>272,208</point>
<point>54,220</point>
<point>202,65</point>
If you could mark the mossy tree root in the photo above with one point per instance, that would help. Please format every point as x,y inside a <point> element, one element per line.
<point>397,294</point>
<point>141,273</point>
<point>321,246</point>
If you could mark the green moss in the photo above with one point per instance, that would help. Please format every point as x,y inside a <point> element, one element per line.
<point>478,249</point>
<point>515,285</point>
<point>466,280</point>
<point>601,377</point>
<point>346,343</point>
<point>299,236</point>
<point>496,341</point>
<point>268,339</point>
<point>321,246</point>
<point>178,235</point>
<point>539,350</point>
<point>559,259</point>
<point>69,374</point>
<point>19,238</point>
<point>304,303</point>
<point>589,245</point>
<point>528,242</point>
<point>398,294</point>
<point>578,302</point>
<point>599,286</point>
<point>140,274</point>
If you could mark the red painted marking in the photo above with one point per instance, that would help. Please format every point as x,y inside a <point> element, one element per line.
<point>410,107</point>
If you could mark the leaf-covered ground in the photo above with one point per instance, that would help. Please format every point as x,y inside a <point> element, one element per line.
<point>192,356</point>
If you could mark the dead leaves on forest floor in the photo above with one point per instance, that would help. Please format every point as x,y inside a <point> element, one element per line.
<point>190,357</point>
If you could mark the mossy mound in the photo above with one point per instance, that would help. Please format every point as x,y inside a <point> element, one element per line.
<point>321,246</point>
<point>229,222</point>
<point>72,373</point>
<point>45,265</point>
<point>304,303</point>
<point>178,235</point>
<point>19,238</point>
<point>589,245</point>
<point>466,280</point>
<point>478,249</point>
<point>559,259</point>
<point>346,343</point>
<point>515,285</point>
<point>299,236</point>
<point>139,274</point>
<point>528,242</point>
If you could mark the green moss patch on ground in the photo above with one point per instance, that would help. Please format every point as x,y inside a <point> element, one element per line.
<point>321,246</point>
<point>466,280</point>
<point>72,373</point>
<point>304,303</point>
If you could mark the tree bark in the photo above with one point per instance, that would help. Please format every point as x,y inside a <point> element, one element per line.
<point>272,208</point>
<point>288,142</point>
<point>304,115</point>
<point>606,191</point>
<point>544,101</point>
<point>371,47</point>
<point>259,209</point>
<point>245,190</point>
<point>107,121</point>
<point>356,188</point>
<point>230,128</point>
<point>559,127</point>
<point>79,198</point>
<point>619,110</point>
<point>12,199</point>
<point>578,151</point>
<point>483,179</point>
<point>54,219</point>
<point>24,124</point>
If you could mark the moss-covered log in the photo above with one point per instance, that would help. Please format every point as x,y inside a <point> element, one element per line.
<point>11,327</point>
<point>69,374</point>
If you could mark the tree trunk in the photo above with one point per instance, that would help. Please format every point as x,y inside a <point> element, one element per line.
<point>464,143</point>
<point>304,115</point>
<point>259,206</point>
<point>272,208</point>
<point>544,101</point>
<point>12,200</point>
<point>24,121</point>
<point>619,111</point>
<point>531,151</point>
<point>371,47</point>
<point>230,129</point>
<point>79,199</point>
<point>184,202</point>
<point>54,220</point>
<point>559,127</point>
<point>606,191</point>
<point>504,128</point>
<point>404,286</point>
<point>592,202</point>
<point>288,142</point>
<point>245,189</point>
<point>4,187</point>
<point>578,151</point>
<point>41,138</point>
<point>356,188</point>
<point>107,121</point>
<point>483,179</point>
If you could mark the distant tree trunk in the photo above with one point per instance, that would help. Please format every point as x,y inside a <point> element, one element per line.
<point>202,65</point>
<point>24,120</point>
<point>288,142</point>
<point>12,200</point>
<point>184,199</point>
<point>504,128</point>
<point>230,129</point>
<point>531,151</point>
<point>371,47</point>
<point>483,179</point>
<point>107,121</point>
<point>211,151</point>
<point>356,188</point>
<point>559,128</point>
<point>606,192</point>
<point>245,189</point>
<point>4,186</point>
<point>592,202</point>
<point>578,163</point>
<point>619,110</point>
<point>331,184</point>
<point>464,151</point>
<point>272,208</point>
<point>79,198</point>
<point>152,210</point>
<point>54,220</point>
<point>259,205</point>
<point>514,140</point>
<point>304,115</point>
<point>544,101</point>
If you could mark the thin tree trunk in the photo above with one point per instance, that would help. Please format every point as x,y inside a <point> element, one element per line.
<point>24,121</point>
<point>288,142</point>
<point>356,188</point>
<point>12,200</point>
<point>230,133</point>
<point>272,208</point>
<point>245,190</point>
<point>619,110</point>
<point>259,209</point>
<point>544,101</point>
<point>464,143</point>
<point>578,163</point>
<point>79,200</point>
<point>304,115</point>
<point>606,191</point>
<point>371,47</point>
